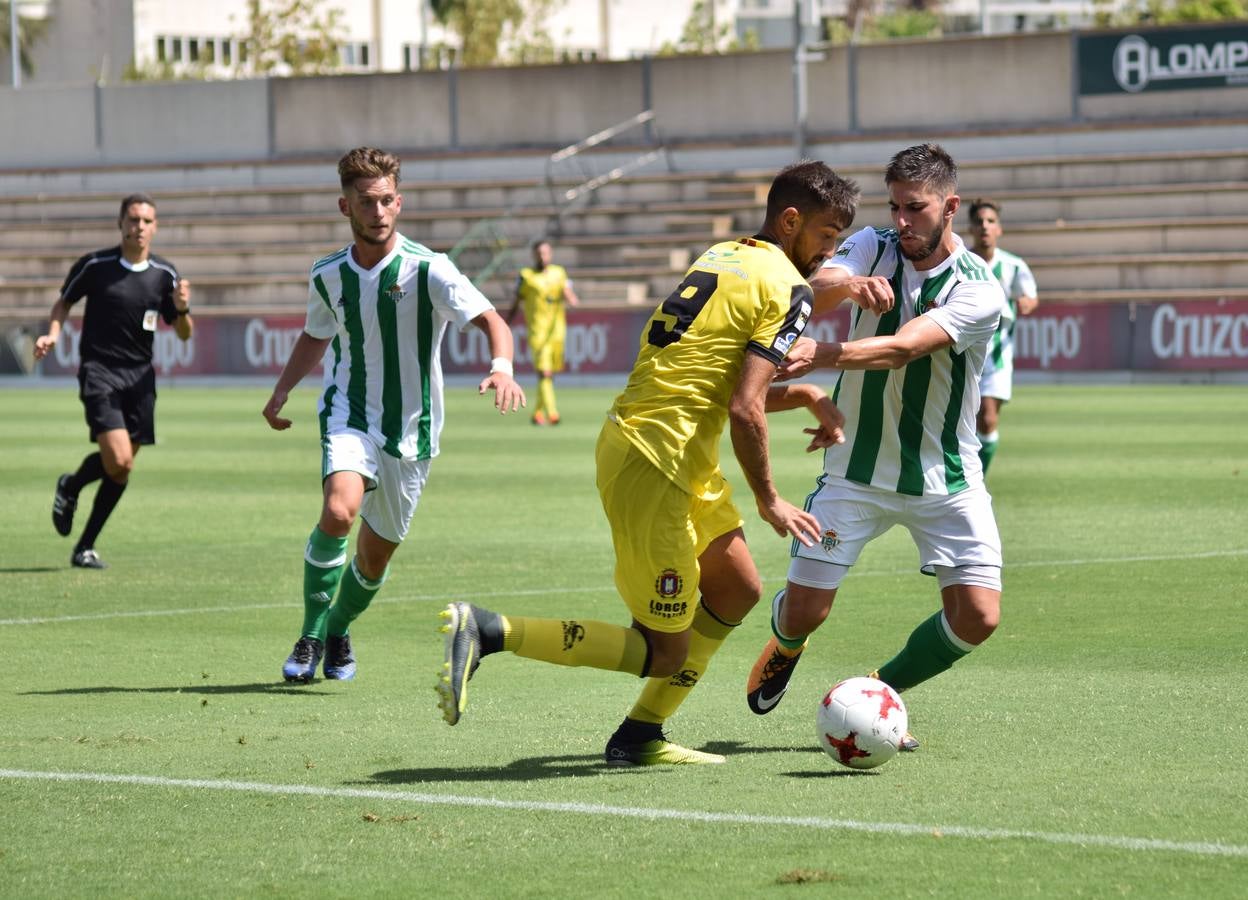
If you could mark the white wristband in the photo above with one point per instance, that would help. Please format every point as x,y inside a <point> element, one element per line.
<point>502,364</point>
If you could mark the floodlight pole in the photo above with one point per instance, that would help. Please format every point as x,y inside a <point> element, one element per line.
<point>15,50</point>
<point>799,82</point>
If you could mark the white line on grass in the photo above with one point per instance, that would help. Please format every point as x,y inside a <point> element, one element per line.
<point>449,596</point>
<point>1114,842</point>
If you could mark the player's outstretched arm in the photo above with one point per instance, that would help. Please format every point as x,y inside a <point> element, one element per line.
<point>45,342</point>
<point>834,285</point>
<point>830,429</point>
<point>917,338</point>
<point>508,396</point>
<point>304,356</point>
<point>747,413</point>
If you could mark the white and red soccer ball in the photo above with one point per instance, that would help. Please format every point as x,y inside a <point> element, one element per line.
<point>861,722</point>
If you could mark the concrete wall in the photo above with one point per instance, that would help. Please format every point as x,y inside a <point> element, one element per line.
<point>546,105</point>
<point>333,114</point>
<point>951,84</point>
<point>184,121</point>
<point>1015,81</point>
<point>716,97</point>
<point>64,135</point>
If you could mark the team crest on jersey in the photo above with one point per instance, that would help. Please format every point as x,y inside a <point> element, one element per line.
<point>831,540</point>
<point>395,293</point>
<point>844,249</point>
<point>669,583</point>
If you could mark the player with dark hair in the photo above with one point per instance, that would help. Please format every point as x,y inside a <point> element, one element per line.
<point>129,290</point>
<point>909,388</point>
<point>377,311</point>
<point>996,383</point>
<point>544,291</point>
<point>706,360</point>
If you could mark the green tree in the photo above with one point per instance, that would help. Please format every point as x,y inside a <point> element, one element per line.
<point>531,40</point>
<point>291,34</point>
<point>1173,12</point>
<point>480,25</point>
<point>29,31</point>
<point>701,33</point>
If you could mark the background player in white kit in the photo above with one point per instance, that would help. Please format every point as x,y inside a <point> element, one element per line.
<point>997,381</point>
<point>379,307</point>
<point>909,393</point>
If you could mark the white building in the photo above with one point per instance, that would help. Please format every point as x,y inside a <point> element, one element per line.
<point>98,40</point>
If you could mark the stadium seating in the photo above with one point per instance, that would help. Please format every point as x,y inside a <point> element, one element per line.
<point>1110,226</point>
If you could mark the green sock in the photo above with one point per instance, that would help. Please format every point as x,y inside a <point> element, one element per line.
<point>931,649</point>
<point>323,561</point>
<point>354,595</point>
<point>987,449</point>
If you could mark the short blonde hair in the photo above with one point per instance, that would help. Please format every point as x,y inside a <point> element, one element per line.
<point>367,162</point>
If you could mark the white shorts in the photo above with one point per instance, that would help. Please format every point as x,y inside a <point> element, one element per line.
<point>998,383</point>
<point>949,529</point>
<point>392,486</point>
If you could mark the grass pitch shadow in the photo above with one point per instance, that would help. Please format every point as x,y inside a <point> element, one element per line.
<point>536,768</point>
<point>260,687</point>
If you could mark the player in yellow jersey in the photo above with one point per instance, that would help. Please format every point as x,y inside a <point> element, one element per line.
<point>707,359</point>
<point>545,291</point>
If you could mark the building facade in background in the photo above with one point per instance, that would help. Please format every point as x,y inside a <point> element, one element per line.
<point>103,40</point>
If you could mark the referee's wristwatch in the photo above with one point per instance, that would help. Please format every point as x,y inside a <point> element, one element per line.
<point>184,312</point>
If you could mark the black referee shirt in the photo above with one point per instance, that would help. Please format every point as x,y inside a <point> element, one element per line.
<point>123,303</point>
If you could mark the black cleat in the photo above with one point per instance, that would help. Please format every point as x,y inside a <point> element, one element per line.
<point>63,506</point>
<point>339,659</point>
<point>87,559</point>
<point>301,665</point>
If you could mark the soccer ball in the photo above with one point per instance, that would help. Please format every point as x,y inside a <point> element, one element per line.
<point>861,722</point>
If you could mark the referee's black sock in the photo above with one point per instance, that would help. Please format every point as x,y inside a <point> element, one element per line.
<point>105,499</point>
<point>92,469</point>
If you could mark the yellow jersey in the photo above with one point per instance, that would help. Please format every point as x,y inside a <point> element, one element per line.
<point>739,296</point>
<point>541,292</point>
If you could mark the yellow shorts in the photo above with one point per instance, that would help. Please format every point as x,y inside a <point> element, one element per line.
<point>659,531</point>
<point>547,356</point>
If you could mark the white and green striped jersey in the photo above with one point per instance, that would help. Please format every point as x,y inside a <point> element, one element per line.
<point>912,430</point>
<point>1017,281</point>
<point>383,369</point>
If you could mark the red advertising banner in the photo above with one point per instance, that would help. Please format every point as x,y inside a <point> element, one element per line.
<point>1191,335</point>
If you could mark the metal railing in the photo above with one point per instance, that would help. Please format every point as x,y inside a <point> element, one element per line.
<point>571,181</point>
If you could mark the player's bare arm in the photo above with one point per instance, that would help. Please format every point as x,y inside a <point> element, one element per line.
<point>183,326</point>
<point>830,429</point>
<point>45,342</point>
<point>508,396</point>
<point>747,413</point>
<point>917,338</point>
<point>1027,305</point>
<point>304,356</point>
<point>569,296</point>
<point>834,285</point>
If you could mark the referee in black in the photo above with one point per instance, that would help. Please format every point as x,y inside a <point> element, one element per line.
<point>129,289</point>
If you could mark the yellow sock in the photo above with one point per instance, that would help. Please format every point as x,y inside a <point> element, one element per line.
<point>546,396</point>
<point>661,697</point>
<point>598,645</point>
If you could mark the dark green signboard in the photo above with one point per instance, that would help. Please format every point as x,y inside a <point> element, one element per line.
<point>1164,60</point>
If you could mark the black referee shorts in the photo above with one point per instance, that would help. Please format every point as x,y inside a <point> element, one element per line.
<point>119,397</point>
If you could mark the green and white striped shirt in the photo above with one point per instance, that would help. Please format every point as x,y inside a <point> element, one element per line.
<point>383,369</point>
<point>912,430</point>
<point>1017,281</point>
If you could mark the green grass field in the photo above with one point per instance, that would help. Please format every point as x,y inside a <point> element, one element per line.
<point>1097,746</point>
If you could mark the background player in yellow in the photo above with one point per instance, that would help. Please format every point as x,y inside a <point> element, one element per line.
<point>545,291</point>
<point>707,358</point>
